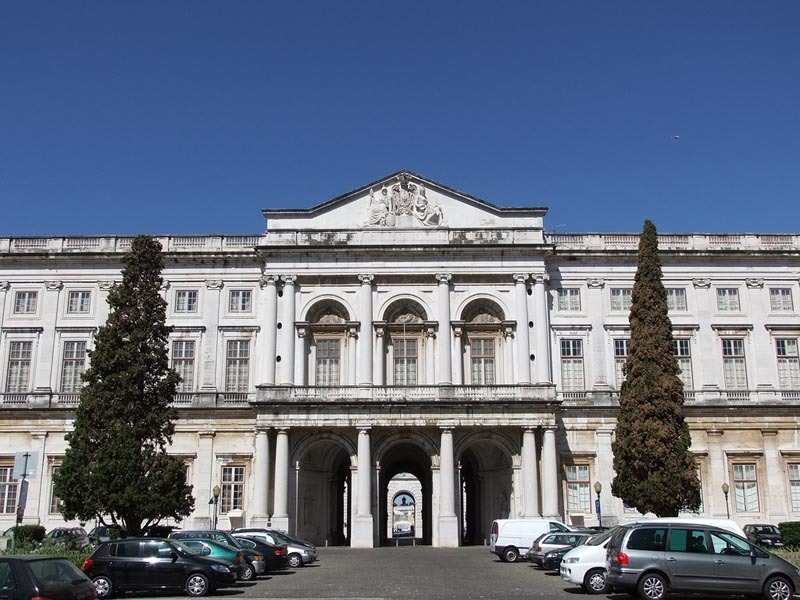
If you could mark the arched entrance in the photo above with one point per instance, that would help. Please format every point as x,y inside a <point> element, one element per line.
<point>405,457</point>
<point>405,507</point>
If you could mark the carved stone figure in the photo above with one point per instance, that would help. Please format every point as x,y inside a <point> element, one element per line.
<point>378,207</point>
<point>405,205</point>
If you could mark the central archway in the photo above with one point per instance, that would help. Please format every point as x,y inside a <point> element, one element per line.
<point>405,457</point>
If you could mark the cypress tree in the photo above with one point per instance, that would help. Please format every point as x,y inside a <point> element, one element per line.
<point>116,468</point>
<point>655,472</point>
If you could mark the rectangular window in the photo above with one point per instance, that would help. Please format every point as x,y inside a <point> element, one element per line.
<point>727,299</point>
<point>569,300</point>
<point>683,354</point>
<point>8,490</point>
<point>240,301</point>
<point>482,361</point>
<point>788,363</point>
<point>733,364</point>
<point>55,501</point>
<point>620,298</point>
<point>620,358</point>
<point>676,299</point>
<point>578,491</point>
<point>25,303</point>
<point>237,366</point>
<point>185,301</point>
<point>780,300</point>
<point>183,363</point>
<point>19,367</point>
<point>73,366</point>
<point>328,361</point>
<point>745,486</point>
<point>232,493</point>
<point>572,365</point>
<point>405,361</point>
<point>794,485</point>
<point>78,303</point>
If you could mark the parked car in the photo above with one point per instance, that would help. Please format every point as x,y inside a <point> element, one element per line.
<point>33,576</point>
<point>768,536</point>
<point>299,553</point>
<point>552,560</point>
<point>218,550</point>
<point>585,565</point>
<point>160,531</point>
<point>548,542</point>
<point>275,556</point>
<point>153,564</point>
<point>657,558</point>
<point>511,538</point>
<point>103,533</point>
<point>69,538</point>
<point>253,564</point>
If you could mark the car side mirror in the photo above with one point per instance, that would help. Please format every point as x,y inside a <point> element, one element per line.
<point>206,551</point>
<point>173,556</point>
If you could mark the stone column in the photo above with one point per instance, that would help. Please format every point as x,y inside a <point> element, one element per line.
<point>541,329</point>
<point>210,350</point>
<point>523,340</point>
<point>287,326</point>
<point>379,375</point>
<point>203,471</point>
<point>530,475</point>
<point>43,375</point>
<point>364,371</point>
<point>445,375</point>
<point>430,356</point>
<point>362,536</point>
<point>352,360</point>
<point>775,501</point>
<point>269,338</point>
<point>549,474</point>
<point>261,477</point>
<point>716,475</point>
<point>280,515</point>
<point>448,522</point>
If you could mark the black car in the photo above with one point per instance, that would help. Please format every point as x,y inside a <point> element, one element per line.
<point>767,536</point>
<point>552,560</point>
<point>275,555</point>
<point>33,576</point>
<point>154,564</point>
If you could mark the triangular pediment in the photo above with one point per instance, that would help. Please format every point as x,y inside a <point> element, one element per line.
<point>402,201</point>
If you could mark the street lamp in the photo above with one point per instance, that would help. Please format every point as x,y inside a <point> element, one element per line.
<point>598,487</point>
<point>215,501</point>
<point>725,489</point>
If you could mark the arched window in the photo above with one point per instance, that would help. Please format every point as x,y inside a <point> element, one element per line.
<point>328,325</point>
<point>406,350</point>
<point>483,343</point>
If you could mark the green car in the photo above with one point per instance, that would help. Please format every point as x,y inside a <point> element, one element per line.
<point>220,551</point>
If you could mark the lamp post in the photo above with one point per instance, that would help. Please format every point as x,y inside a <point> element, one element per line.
<point>598,487</point>
<point>725,489</point>
<point>215,501</point>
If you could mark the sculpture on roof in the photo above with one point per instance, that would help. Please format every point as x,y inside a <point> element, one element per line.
<point>407,206</point>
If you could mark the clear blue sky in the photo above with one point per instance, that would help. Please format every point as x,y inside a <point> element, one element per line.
<point>190,116</point>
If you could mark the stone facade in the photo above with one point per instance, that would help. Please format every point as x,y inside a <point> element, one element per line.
<point>408,328</point>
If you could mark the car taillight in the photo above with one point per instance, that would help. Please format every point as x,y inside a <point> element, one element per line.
<point>238,558</point>
<point>537,548</point>
<point>279,551</point>
<point>256,557</point>
<point>622,559</point>
<point>88,564</point>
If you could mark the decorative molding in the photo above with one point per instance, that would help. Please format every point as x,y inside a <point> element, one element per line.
<point>754,283</point>
<point>239,328</point>
<point>266,280</point>
<point>443,278</point>
<point>733,329</point>
<point>107,285</point>
<point>540,278</point>
<point>701,282</point>
<point>289,279</point>
<point>366,279</point>
<point>165,285</point>
<point>68,329</point>
<point>53,286</point>
<point>214,284</point>
<point>23,329</point>
<point>189,328</point>
<point>596,282</point>
<point>4,285</point>
<point>520,277</point>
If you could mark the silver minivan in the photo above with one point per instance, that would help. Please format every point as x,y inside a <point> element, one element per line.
<point>657,558</point>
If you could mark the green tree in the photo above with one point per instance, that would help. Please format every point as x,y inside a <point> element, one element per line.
<point>116,467</point>
<point>655,472</point>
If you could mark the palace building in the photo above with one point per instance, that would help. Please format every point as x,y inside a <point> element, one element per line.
<point>408,359</point>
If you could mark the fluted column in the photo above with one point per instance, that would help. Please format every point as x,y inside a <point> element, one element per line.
<point>280,516</point>
<point>523,339</point>
<point>287,326</point>
<point>448,523</point>
<point>530,475</point>
<point>445,375</point>
<point>541,329</point>
<point>269,298</point>
<point>261,474</point>
<point>549,474</point>
<point>362,536</point>
<point>364,373</point>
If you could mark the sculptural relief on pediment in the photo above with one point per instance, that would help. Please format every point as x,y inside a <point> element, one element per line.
<point>403,204</point>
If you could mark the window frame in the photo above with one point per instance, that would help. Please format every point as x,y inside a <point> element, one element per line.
<point>26,303</point>
<point>673,302</point>
<point>236,301</point>
<point>582,487</point>
<point>728,299</point>
<point>484,364</point>
<point>568,295</point>
<point>80,303</point>
<point>80,362</point>
<point>572,358</point>
<point>738,362</point>
<point>9,488</point>
<point>184,387</point>
<point>183,298</point>
<point>739,489</point>
<point>229,499</point>
<point>621,299</point>
<point>241,363</point>
<point>779,301</point>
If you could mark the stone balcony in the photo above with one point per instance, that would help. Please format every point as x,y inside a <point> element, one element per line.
<point>686,242</point>
<point>704,397</point>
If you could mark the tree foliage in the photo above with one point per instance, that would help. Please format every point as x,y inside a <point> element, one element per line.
<point>116,467</point>
<point>655,472</point>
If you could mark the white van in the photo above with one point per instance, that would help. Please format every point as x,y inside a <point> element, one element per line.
<point>512,538</point>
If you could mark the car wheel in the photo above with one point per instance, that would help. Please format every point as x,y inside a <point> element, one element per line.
<point>510,554</point>
<point>652,587</point>
<point>197,584</point>
<point>103,586</point>
<point>778,588</point>
<point>295,560</point>
<point>594,582</point>
<point>248,572</point>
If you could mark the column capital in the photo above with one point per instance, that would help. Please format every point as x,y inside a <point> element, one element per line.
<point>53,286</point>
<point>261,429</point>
<point>266,280</point>
<point>283,430</point>
<point>4,285</point>
<point>365,429</point>
<point>520,277</point>
<point>206,434</point>
<point>366,278</point>
<point>289,279</point>
<point>214,284</point>
<point>701,282</point>
<point>107,285</point>
<point>596,282</point>
<point>443,278</point>
<point>540,278</point>
<point>754,283</point>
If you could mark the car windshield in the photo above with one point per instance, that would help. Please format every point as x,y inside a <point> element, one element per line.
<point>600,538</point>
<point>184,548</point>
<point>768,529</point>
